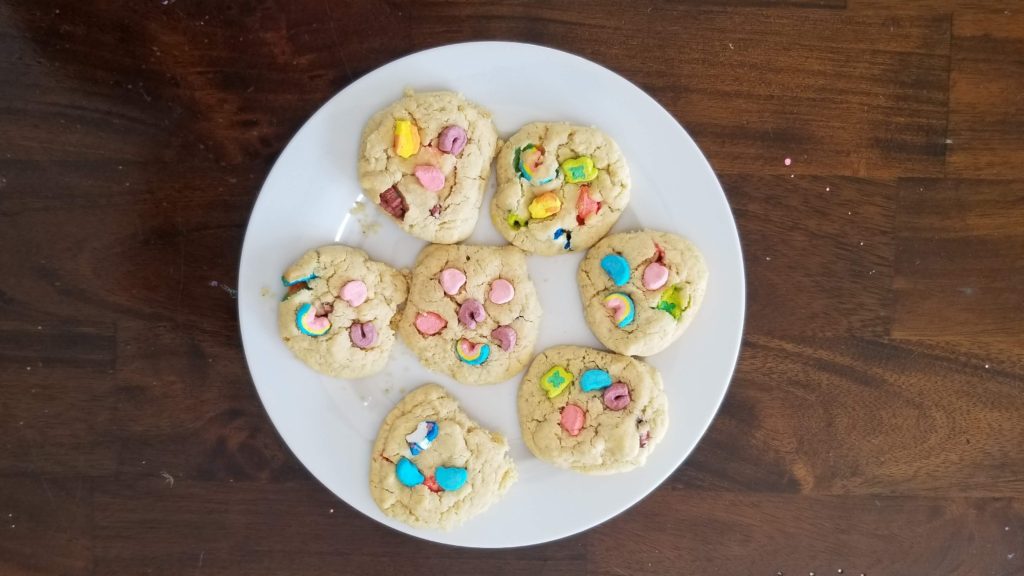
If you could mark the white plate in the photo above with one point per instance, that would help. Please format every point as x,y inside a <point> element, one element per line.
<point>308,200</point>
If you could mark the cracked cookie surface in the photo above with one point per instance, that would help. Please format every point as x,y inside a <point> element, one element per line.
<point>474,330</point>
<point>560,187</point>
<point>617,431</point>
<point>460,443</point>
<point>419,168</point>
<point>318,284</point>
<point>665,280</point>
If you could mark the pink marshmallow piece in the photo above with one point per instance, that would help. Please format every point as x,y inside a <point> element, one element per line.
<point>502,291</point>
<point>354,292</point>
<point>655,276</point>
<point>429,323</point>
<point>430,177</point>
<point>572,419</point>
<point>469,349</point>
<point>505,336</point>
<point>452,280</point>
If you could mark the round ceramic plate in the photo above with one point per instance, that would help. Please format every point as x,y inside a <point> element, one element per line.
<point>312,197</point>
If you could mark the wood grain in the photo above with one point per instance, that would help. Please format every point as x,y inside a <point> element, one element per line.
<point>818,250</point>
<point>844,415</point>
<point>873,425</point>
<point>47,525</point>
<point>188,405</point>
<point>986,117</point>
<point>960,261</point>
<point>696,532</point>
<point>52,374</point>
<point>283,528</point>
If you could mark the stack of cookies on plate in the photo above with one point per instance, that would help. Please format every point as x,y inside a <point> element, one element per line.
<point>472,312</point>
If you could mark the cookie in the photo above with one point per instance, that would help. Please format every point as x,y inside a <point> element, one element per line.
<point>433,467</point>
<point>336,315</point>
<point>472,313</point>
<point>425,160</point>
<point>560,187</point>
<point>640,290</point>
<point>591,411</point>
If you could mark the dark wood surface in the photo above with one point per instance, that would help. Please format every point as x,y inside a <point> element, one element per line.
<point>875,424</point>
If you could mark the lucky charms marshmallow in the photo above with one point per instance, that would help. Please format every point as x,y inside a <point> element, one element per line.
<point>336,314</point>
<point>425,160</point>
<point>560,187</point>
<point>591,411</point>
<point>640,290</point>
<point>472,313</point>
<point>432,466</point>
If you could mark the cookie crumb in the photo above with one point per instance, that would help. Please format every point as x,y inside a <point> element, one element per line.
<point>369,228</point>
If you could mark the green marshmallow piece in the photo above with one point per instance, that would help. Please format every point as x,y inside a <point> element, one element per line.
<point>578,170</point>
<point>671,301</point>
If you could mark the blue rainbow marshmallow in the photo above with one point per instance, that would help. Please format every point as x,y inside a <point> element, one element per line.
<point>621,307</point>
<point>294,281</point>
<point>529,163</point>
<point>472,353</point>
<point>309,323</point>
<point>617,268</point>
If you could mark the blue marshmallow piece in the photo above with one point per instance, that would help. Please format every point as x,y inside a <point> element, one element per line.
<point>450,478</point>
<point>595,380</point>
<point>617,268</point>
<point>408,473</point>
<point>288,282</point>
<point>422,437</point>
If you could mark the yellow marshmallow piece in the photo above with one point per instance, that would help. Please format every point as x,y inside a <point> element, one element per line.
<point>407,138</point>
<point>547,204</point>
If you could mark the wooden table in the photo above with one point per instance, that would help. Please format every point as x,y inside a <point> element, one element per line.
<point>876,420</point>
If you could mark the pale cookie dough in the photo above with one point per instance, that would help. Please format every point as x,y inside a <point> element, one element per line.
<point>578,222</point>
<point>661,312</point>
<point>607,440</point>
<point>319,279</point>
<point>459,443</point>
<point>443,212</point>
<point>484,268</point>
